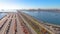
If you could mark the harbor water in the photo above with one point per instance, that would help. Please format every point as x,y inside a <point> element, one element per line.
<point>45,16</point>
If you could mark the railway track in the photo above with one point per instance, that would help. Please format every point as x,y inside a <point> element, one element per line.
<point>42,28</point>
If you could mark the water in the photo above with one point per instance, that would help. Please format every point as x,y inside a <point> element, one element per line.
<point>2,15</point>
<point>46,17</point>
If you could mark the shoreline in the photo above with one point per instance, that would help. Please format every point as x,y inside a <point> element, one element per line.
<point>45,23</point>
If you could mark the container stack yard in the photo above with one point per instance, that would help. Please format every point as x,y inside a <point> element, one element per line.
<point>22,23</point>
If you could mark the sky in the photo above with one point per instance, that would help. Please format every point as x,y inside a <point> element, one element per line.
<point>28,4</point>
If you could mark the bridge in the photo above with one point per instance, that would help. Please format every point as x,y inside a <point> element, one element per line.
<point>21,23</point>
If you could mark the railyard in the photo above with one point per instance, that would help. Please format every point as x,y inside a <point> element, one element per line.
<point>21,23</point>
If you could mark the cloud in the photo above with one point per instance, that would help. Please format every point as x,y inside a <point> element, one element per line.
<point>8,6</point>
